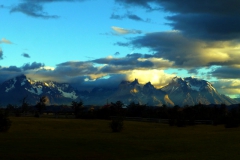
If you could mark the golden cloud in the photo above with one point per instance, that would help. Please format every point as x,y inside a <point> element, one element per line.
<point>4,40</point>
<point>157,77</point>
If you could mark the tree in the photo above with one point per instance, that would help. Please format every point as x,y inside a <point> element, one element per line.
<point>77,108</point>
<point>41,105</point>
<point>5,123</point>
<point>25,105</point>
<point>136,109</point>
<point>117,124</point>
<point>116,108</point>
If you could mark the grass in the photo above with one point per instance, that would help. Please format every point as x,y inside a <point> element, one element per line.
<point>58,139</point>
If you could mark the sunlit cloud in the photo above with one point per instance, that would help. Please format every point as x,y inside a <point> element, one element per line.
<point>158,78</point>
<point>120,30</point>
<point>229,87</point>
<point>4,40</point>
<point>186,52</point>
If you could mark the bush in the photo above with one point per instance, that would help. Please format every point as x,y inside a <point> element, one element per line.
<point>5,123</point>
<point>117,125</point>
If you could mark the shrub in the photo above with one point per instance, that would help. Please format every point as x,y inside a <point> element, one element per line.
<point>5,123</point>
<point>117,124</point>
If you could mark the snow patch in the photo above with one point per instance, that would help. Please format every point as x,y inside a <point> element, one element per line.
<point>39,90</point>
<point>35,90</point>
<point>31,90</point>
<point>10,88</point>
<point>196,88</point>
<point>71,95</point>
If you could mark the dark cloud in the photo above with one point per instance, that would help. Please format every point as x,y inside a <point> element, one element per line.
<point>209,27</point>
<point>26,55</point>
<point>129,62</point>
<point>1,54</point>
<point>168,45</point>
<point>211,20</point>
<point>34,8</point>
<point>184,51</point>
<point>189,6</point>
<point>203,6</point>
<point>32,66</point>
<point>129,16</point>
<point>117,53</point>
<point>123,44</point>
<point>143,3</point>
<point>76,68</point>
<point>9,72</point>
<point>193,71</point>
<point>226,73</point>
<point>134,17</point>
<point>12,69</point>
<point>115,16</point>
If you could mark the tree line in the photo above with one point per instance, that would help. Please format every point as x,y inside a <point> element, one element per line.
<point>175,116</point>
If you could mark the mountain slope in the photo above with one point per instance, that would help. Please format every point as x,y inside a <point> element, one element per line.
<point>191,91</point>
<point>180,91</point>
<point>14,90</point>
<point>129,92</point>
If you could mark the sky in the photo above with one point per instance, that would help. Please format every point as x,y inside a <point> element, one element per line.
<point>99,43</point>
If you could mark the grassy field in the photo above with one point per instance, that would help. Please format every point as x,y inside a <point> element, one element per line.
<point>57,139</point>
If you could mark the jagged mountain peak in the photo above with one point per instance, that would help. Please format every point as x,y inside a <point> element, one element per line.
<point>135,82</point>
<point>149,85</point>
<point>125,82</point>
<point>20,86</point>
<point>189,83</point>
<point>177,80</point>
<point>21,76</point>
<point>190,91</point>
<point>180,91</point>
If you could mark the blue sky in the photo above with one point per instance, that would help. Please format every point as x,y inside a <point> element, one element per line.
<point>90,42</point>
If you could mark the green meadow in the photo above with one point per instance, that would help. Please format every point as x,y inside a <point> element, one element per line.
<point>59,139</point>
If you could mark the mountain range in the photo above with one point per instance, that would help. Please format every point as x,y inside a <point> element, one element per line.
<point>180,91</point>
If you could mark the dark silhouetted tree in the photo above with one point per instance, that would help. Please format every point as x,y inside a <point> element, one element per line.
<point>136,110</point>
<point>41,105</point>
<point>116,109</point>
<point>25,106</point>
<point>77,108</point>
<point>117,124</point>
<point>5,123</point>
